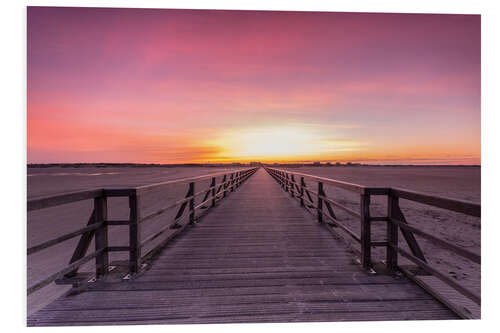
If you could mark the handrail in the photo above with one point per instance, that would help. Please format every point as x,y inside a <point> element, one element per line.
<point>438,241</point>
<point>459,206</point>
<point>57,240</point>
<point>61,199</point>
<point>151,187</point>
<point>280,175</point>
<point>395,221</point>
<point>97,226</point>
<point>338,183</point>
<point>181,201</point>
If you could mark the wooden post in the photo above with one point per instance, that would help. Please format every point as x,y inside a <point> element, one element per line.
<point>212,184</point>
<point>83,245</point>
<point>292,188</point>
<point>302,184</point>
<point>191,203</point>
<point>238,179</point>
<point>365,231</point>
<point>224,186</point>
<point>392,233</point>
<point>320,203</point>
<point>397,214</point>
<point>232,182</point>
<point>134,234</point>
<point>101,235</point>
<point>286,183</point>
<point>327,204</point>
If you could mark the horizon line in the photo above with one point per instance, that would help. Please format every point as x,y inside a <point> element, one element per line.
<point>245,163</point>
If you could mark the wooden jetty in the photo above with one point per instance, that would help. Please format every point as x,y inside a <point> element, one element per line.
<point>256,256</point>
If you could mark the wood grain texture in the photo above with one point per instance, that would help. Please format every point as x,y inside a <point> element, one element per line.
<point>257,257</point>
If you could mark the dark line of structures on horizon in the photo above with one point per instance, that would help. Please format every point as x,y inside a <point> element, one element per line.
<point>296,165</point>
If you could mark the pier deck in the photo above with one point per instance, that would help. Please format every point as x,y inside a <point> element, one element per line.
<point>257,257</point>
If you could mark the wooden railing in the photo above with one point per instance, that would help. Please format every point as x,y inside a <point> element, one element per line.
<point>315,200</point>
<point>221,184</point>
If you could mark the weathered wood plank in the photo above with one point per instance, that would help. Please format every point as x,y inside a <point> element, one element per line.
<point>61,199</point>
<point>460,206</point>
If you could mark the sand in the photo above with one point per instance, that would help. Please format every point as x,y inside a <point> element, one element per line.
<point>460,183</point>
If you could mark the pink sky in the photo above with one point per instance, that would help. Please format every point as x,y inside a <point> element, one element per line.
<point>173,86</point>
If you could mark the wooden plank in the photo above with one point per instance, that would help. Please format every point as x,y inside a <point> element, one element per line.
<point>460,206</point>
<point>460,311</point>
<point>61,199</point>
<point>449,281</point>
<point>438,241</point>
<point>118,192</point>
<point>63,238</point>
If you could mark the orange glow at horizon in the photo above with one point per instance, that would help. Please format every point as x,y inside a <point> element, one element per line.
<point>285,143</point>
<point>194,86</point>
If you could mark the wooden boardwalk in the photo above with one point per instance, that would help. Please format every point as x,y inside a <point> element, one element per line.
<point>257,257</point>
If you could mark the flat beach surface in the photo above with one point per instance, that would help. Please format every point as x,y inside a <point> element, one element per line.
<point>454,182</point>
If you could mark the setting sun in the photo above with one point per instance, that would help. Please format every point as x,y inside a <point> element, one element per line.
<point>268,143</point>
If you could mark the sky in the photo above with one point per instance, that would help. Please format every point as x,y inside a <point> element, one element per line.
<point>208,86</point>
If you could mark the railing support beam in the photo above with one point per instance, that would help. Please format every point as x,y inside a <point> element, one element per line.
<point>392,233</point>
<point>101,236</point>
<point>365,231</point>
<point>212,184</point>
<point>320,203</point>
<point>302,185</point>
<point>224,186</point>
<point>191,203</point>
<point>134,234</point>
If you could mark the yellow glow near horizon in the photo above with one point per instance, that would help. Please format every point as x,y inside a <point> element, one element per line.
<point>279,143</point>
